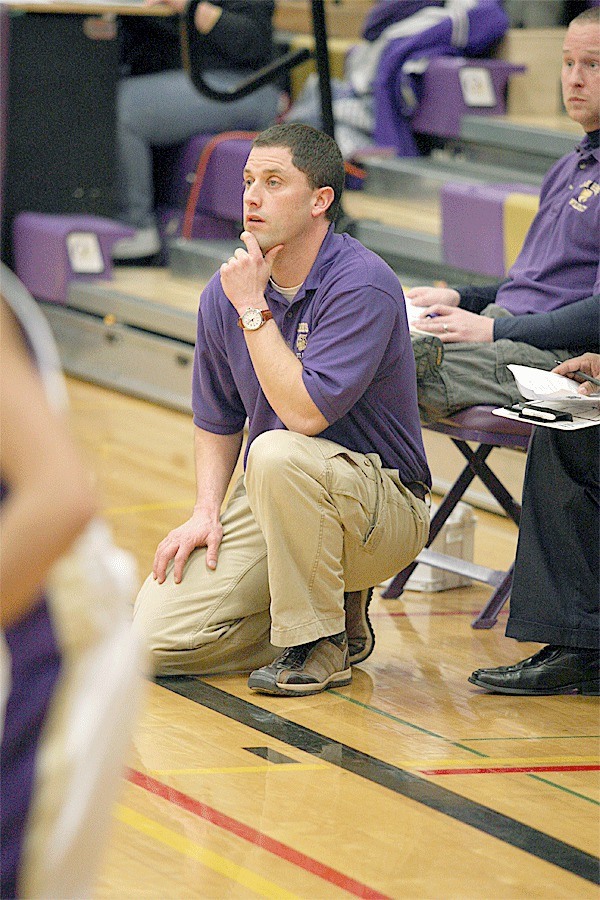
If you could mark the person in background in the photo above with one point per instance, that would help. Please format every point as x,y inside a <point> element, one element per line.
<point>158,106</point>
<point>68,656</point>
<point>555,594</point>
<point>473,333</point>
<point>303,333</point>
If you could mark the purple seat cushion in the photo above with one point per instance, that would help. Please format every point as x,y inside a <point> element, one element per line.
<point>442,104</point>
<point>40,246</point>
<point>478,423</point>
<point>222,184</point>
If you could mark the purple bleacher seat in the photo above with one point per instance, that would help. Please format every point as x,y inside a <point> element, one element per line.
<point>218,210</point>
<point>51,251</point>
<point>473,225</point>
<point>204,226</point>
<point>447,97</point>
<point>478,425</point>
<point>221,193</point>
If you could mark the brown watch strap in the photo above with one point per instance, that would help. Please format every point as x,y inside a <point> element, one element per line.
<point>266,315</point>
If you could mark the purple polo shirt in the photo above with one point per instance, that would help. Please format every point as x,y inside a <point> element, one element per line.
<point>560,259</point>
<point>348,326</point>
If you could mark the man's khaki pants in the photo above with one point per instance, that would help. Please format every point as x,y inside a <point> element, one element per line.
<point>308,521</point>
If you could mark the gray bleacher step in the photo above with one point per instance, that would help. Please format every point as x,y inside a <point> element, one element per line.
<point>199,258</point>
<point>113,306</point>
<point>424,176</point>
<point>122,356</point>
<point>413,254</point>
<point>503,142</point>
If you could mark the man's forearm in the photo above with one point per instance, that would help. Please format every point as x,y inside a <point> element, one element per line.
<point>279,372</point>
<point>216,456</point>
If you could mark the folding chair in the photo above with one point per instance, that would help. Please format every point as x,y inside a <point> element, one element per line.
<point>476,424</point>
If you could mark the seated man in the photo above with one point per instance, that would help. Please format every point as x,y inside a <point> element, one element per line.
<point>474,333</point>
<point>158,106</point>
<point>555,596</point>
<point>304,334</point>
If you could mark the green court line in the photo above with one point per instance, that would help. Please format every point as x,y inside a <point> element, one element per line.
<point>386,715</point>
<point>566,790</point>
<point>549,737</point>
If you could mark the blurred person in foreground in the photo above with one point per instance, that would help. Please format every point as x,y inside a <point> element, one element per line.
<point>69,657</point>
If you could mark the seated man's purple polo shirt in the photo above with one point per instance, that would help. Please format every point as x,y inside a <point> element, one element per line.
<point>560,259</point>
<point>348,326</point>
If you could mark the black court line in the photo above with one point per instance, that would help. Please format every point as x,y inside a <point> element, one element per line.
<point>271,755</point>
<point>409,785</point>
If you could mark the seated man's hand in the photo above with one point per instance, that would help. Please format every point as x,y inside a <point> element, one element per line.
<point>453,325</point>
<point>588,363</point>
<point>198,531</point>
<point>426,296</point>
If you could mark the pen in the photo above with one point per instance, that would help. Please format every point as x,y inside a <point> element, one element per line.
<point>581,374</point>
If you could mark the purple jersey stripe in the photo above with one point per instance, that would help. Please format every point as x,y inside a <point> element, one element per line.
<point>35,670</point>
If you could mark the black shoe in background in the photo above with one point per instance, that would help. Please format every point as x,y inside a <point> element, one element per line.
<point>553,670</point>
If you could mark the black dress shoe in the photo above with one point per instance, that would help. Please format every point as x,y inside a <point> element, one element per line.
<point>553,670</point>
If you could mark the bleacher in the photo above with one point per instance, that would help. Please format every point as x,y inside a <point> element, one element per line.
<point>458,214</point>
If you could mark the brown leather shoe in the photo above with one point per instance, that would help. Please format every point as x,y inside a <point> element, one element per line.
<point>305,669</point>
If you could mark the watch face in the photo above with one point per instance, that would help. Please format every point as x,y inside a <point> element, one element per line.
<point>252,319</point>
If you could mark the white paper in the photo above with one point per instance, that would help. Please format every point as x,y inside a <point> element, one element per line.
<point>554,393</point>
<point>538,384</point>
<point>412,314</point>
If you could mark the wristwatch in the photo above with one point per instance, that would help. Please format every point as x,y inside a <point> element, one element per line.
<point>253,319</point>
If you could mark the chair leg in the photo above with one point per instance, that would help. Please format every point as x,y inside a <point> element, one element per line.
<point>396,586</point>
<point>489,614</point>
<point>477,464</point>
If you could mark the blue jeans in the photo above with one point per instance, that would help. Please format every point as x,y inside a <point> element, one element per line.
<point>164,109</point>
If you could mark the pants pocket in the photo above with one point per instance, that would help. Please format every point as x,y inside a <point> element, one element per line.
<point>354,484</point>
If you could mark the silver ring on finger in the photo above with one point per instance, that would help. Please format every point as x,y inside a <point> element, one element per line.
<point>445,327</point>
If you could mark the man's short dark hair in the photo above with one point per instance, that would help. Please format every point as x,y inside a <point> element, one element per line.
<point>589,16</point>
<point>313,152</point>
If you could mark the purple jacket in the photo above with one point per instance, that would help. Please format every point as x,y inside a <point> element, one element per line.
<point>487,23</point>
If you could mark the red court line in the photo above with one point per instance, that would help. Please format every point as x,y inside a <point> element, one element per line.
<point>491,770</point>
<point>253,836</point>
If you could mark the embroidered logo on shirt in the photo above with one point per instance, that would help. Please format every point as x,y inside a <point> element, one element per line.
<point>586,190</point>
<point>301,338</point>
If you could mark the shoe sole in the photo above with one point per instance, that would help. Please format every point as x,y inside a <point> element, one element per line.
<point>589,689</point>
<point>264,686</point>
<point>362,654</point>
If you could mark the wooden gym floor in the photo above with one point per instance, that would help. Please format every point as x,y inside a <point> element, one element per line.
<point>408,783</point>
